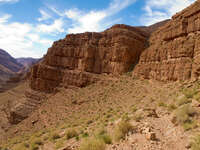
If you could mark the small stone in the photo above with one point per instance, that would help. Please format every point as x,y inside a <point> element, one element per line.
<point>151,136</point>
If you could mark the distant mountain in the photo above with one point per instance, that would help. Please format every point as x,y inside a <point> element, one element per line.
<point>27,62</point>
<point>9,62</point>
<point>13,70</point>
<point>9,66</point>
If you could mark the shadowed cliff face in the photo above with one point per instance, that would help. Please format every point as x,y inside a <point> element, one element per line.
<point>77,59</point>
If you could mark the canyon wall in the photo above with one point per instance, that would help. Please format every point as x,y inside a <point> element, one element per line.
<point>78,59</point>
<point>174,51</point>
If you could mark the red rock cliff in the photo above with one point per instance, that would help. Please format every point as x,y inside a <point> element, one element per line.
<point>77,59</point>
<point>174,52</point>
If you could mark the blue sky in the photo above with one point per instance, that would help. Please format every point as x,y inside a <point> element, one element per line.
<point>29,27</point>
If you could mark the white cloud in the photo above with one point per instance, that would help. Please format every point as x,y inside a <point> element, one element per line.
<point>44,15</point>
<point>32,40</point>
<point>21,39</point>
<point>55,27</point>
<point>4,18</point>
<point>85,22</point>
<point>94,20</point>
<point>158,10</point>
<point>2,1</point>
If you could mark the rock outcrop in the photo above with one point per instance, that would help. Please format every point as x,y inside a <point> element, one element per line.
<point>174,51</point>
<point>23,109</point>
<point>79,58</point>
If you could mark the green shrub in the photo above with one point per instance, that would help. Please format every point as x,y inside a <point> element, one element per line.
<point>122,129</point>
<point>71,133</point>
<point>92,144</point>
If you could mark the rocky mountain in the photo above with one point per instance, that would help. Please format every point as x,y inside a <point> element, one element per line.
<point>27,63</point>
<point>79,58</point>
<point>8,65</point>
<point>13,70</point>
<point>111,66</point>
<point>174,52</point>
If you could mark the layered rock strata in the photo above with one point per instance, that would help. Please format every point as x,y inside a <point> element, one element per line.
<point>77,59</point>
<point>174,51</point>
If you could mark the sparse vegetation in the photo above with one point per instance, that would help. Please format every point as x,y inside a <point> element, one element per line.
<point>172,107</point>
<point>183,116</point>
<point>102,134</point>
<point>189,93</point>
<point>71,133</point>
<point>93,144</point>
<point>183,100</point>
<point>122,128</point>
<point>138,117</point>
<point>55,136</point>
<point>162,104</point>
<point>195,145</point>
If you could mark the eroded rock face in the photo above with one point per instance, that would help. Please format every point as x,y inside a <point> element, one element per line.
<point>22,110</point>
<point>77,59</point>
<point>174,52</point>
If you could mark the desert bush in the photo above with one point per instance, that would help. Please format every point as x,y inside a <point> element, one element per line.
<point>171,107</point>
<point>138,117</point>
<point>184,113</point>
<point>34,147</point>
<point>59,143</point>
<point>189,125</point>
<point>102,134</point>
<point>195,145</point>
<point>189,93</point>
<point>92,144</point>
<point>122,129</point>
<point>55,136</point>
<point>183,100</point>
<point>19,147</point>
<point>85,134</point>
<point>71,133</point>
<point>38,141</point>
<point>162,104</point>
<point>197,97</point>
<point>134,108</point>
<point>35,143</point>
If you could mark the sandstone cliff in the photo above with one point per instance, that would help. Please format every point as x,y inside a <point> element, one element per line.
<point>77,59</point>
<point>174,52</point>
